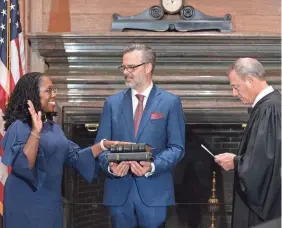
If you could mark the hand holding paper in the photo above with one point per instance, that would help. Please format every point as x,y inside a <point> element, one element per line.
<point>225,160</point>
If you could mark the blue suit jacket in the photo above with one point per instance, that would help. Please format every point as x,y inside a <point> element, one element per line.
<point>166,135</point>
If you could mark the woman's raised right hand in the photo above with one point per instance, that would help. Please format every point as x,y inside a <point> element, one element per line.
<point>35,117</point>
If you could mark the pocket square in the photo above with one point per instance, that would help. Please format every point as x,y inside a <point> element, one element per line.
<point>156,115</point>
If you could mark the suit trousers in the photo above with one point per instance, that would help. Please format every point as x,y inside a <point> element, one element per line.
<point>134,213</point>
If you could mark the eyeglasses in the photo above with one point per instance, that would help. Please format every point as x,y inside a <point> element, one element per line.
<point>48,90</point>
<point>129,68</point>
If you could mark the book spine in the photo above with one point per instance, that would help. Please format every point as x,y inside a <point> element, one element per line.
<point>117,157</point>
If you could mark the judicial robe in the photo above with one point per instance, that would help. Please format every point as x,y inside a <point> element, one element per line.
<point>257,180</point>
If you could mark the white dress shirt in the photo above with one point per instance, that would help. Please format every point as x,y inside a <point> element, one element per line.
<point>262,94</point>
<point>135,99</point>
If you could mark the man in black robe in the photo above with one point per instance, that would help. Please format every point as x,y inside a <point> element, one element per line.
<point>257,166</point>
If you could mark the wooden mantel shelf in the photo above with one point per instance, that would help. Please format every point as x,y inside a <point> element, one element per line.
<point>191,65</point>
<point>159,34</point>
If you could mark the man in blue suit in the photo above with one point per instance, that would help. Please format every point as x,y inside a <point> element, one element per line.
<point>139,193</point>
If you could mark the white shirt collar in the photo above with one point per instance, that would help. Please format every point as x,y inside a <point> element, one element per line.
<point>262,94</point>
<point>145,93</point>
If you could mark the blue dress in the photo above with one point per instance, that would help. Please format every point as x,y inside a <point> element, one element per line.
<point>32,197</point>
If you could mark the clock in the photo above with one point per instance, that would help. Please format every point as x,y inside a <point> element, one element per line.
<point>172,6</point>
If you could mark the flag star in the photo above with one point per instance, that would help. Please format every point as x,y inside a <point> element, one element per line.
<point>17,24</point>
<point>1,40</point>
<point>4,12</point>
<point>12,6</point>
<point>2,27</point>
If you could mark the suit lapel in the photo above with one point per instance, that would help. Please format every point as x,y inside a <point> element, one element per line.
<point>127,112</point>
<point>151,105</point>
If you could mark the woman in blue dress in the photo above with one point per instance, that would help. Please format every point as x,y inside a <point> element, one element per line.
<point>37,150</point>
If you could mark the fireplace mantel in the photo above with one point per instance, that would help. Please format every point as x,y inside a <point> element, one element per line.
<point>192,65</point>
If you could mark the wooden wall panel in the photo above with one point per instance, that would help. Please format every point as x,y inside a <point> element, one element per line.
<point>95,16</point>
<point>59,19</point>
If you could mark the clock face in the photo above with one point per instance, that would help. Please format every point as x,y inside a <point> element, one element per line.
<point>172,6</point>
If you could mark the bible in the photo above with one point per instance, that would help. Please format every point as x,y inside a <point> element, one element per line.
<point>130,152</point>
<point>118,157</point>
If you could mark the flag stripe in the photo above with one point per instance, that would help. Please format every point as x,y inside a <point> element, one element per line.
<point>21,53</point>
<point>3,78</point>
<point>15,67</point>
<point>1,127</point>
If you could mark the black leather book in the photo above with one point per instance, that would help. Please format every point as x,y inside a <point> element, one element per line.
<point>130,152</point>
<point>118,157</point>
<point>130,148</point>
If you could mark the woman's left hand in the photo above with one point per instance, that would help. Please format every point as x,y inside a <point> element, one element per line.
<point>108,143</point>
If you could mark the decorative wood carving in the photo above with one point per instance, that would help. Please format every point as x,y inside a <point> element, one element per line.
<point>188,19</point>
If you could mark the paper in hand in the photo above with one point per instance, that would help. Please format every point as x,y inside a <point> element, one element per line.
<point>207,150</point>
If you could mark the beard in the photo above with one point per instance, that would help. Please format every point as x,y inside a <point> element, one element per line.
<point>130,82</point>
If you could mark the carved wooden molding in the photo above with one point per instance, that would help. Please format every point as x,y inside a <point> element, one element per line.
<point>193,66</point>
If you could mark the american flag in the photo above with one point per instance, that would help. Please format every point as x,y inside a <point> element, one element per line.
<point>8,79</point>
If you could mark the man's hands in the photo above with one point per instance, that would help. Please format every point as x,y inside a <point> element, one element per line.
<point>225,160</point>
<point>140,169</point>
<point>122,168</point>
